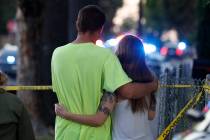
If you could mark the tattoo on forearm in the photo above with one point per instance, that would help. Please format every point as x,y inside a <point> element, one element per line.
<point>105,110</point>
<point>106,98</point>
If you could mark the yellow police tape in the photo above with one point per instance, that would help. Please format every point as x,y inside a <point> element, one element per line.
<point>176,86</point>
<point>49,87</point>
<point>164,134</point>
<point>184,86</point>
<point>180,115</point>
<point>13,88</point>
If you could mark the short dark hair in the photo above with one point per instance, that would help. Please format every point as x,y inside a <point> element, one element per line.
<point>90,18</point>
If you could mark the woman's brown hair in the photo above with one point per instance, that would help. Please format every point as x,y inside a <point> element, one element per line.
<point>132,58</point>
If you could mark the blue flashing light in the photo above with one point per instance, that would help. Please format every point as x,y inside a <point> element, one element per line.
<point>149,48</point>
<point>112,42</point>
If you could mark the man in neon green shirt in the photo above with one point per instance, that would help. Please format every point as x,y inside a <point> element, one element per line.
<point>81,71</point>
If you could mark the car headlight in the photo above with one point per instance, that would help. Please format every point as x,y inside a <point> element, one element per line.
<point>10,59</point>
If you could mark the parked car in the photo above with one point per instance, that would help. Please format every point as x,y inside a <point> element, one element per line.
<point>8,60</point>
<point>174,50</point>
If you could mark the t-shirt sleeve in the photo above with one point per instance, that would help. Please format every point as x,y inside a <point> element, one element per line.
<point>113,74</point>
<point>53,78</point>
<point>52,72</point>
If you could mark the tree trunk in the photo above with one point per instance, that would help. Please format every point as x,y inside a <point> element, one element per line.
<point>54,34</point>
<point>30,26</point>
<point>43,26</point>
<point>141,15</point>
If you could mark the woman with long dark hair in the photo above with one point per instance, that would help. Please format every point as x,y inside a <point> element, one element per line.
<point>130,116</point>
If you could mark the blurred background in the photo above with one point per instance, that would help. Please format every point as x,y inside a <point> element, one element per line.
<point>176,35</point>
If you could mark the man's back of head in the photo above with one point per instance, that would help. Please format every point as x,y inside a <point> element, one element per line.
<point>90,19</point>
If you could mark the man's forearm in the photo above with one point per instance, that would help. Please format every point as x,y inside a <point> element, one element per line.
<point>137,90</point>
<point>94,120</point>
<point>142,89</point>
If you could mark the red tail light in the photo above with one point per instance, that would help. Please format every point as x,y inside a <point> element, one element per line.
<point>164,51</point>
<point>179,52</point>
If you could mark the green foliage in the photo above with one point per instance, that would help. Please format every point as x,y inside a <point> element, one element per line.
<point>110,7</point>
<point>155,15</point>
<point>128,25</point>
<point>7,11</point>
<point>166,14</point>
<point>190,18</point>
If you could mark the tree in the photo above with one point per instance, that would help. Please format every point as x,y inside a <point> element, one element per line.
<point>154,13</point>
<point>181,15</point>
<point>110,7</point>
<point>178,14</point>
<point>203,36</point>
<point>43,26</point>
<point>7,12</point>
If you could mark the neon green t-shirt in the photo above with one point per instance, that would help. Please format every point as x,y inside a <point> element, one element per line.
<point>80,73</point>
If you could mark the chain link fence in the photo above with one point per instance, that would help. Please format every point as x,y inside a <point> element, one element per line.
<point>171,100</point>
